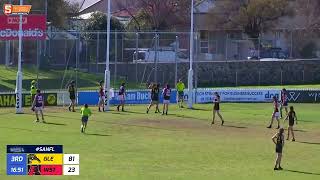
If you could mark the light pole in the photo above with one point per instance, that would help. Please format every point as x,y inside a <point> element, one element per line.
<point>190,73</point>
<point>18,89</point>
<point>107,70</point>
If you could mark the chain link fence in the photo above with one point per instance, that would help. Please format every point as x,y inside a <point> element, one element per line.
<point>221,59</point>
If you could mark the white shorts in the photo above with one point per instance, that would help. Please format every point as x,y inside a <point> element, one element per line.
<point>37,109</point>
<point>166,101</point>
<point>121,97</point>
<point>276,115</point>
<point>102,99</point>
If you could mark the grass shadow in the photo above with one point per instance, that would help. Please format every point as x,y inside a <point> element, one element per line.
<point>306,121</point>
<point>238,127</point>
<point>21,129</point>
<point>96,134</point>
<point>302,172</point>
<point>304,142</point>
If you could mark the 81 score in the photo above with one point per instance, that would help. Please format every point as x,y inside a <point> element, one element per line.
<point>71,164</point>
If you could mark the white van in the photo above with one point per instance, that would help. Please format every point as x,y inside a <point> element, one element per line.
<point>162,56</point>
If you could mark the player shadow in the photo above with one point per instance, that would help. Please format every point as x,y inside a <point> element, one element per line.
<point>133,112</point>
<point>184,116</point>
<point>55,116</point>
<point>118,113</point>
<point>304,142</point>
<point>96,134</point>
<point>299,130</point>
<point>238,127</point>
<point>56,124</point>
<point>199,109</point>
<point>302,172</point>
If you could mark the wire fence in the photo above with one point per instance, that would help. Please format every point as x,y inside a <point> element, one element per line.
<point>222,58</point>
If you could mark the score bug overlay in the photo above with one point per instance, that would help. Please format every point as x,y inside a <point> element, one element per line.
<point>41,160</point>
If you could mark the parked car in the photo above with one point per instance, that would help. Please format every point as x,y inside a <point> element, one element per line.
<point>272,54</point>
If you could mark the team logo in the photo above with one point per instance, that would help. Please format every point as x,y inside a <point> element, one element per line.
<point>51,99</point>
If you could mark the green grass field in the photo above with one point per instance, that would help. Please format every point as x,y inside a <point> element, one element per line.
<point>181,146</point>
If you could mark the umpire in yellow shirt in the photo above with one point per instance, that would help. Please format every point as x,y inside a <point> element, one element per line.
<point>180,89</point>
<point>33,90</point>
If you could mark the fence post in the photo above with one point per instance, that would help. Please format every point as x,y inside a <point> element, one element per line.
<point>259,43</point>
<point>97,52</point>
<point>38,61</point>
<point>226,51</point>
<point>77,57</point>
<point>136,55</point>
<point>156,58</point>
<point>7,56</point>
<point>236,78</point>
<point>65,51</point>
<point>87,59</point>
<point>259,78</point>
<point>281,76</point>
<point>176,60</point>
<point>291,47</point>
<point>303,76</point>
<point>115,58</point>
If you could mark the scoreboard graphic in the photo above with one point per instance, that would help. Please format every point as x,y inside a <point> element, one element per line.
<point>40,160</point>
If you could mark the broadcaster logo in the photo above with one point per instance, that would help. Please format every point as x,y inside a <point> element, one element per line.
<point>9,9</point>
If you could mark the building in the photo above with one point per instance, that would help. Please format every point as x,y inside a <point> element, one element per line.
<point>119,8</point>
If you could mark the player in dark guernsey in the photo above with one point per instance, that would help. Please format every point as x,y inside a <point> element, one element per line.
<point>216,108</point>
<point>275,114</point>
<point>38,106</point>
<point>102,98</point>
<point>166,99</point>
<point>292,117</point>
<point>72,95</point>
<point>121,95</point>
<point>284,102</point>
<point>154,97</point>
<point>278,140</point>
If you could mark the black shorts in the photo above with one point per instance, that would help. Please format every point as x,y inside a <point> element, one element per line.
<point>85,119</point>
<point>279,148</point>
<point>72,96</point>
<point>216,107</point>
<point>291,122</point>
<point>180,94</point>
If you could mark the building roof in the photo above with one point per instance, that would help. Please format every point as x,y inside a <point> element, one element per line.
<point>203,6</point>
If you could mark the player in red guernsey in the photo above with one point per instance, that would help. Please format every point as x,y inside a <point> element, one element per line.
<point>276,113</point>
<point>102,97</point>
<point>284,102</point>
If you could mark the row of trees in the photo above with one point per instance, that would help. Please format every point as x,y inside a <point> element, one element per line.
<point>253,16</point>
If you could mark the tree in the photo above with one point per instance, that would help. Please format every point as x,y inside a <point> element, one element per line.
<point>306,37</point>
<point>157,14</point>
<point>252,16</point>
<point>98,22</point>
<point>309,9</point>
